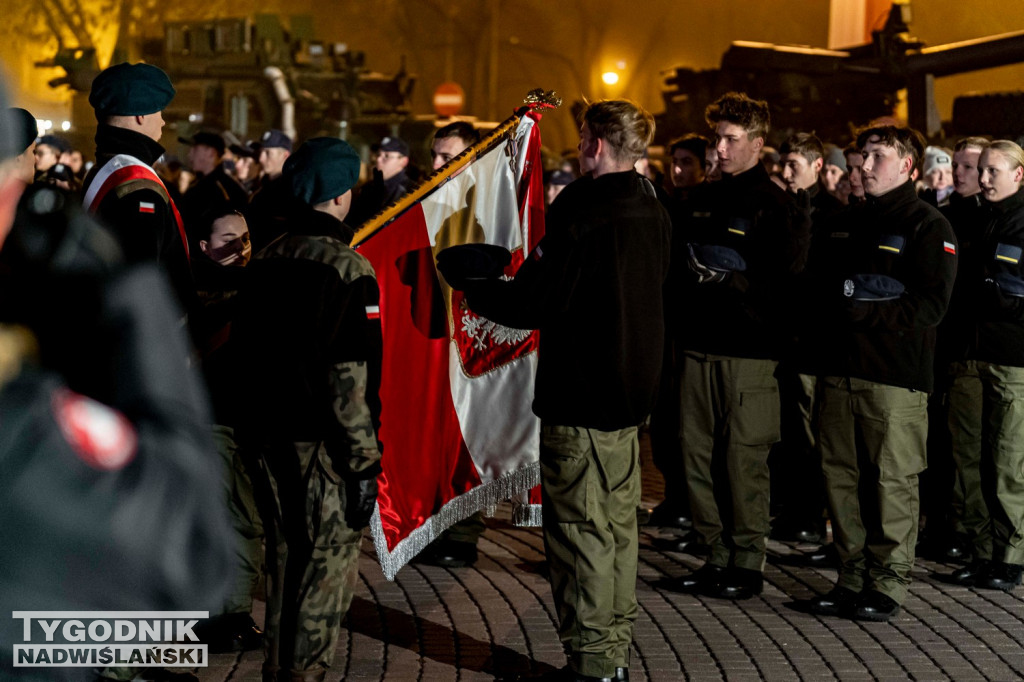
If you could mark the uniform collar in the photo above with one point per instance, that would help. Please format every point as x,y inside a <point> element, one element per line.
<point>313,223</point>
<point>111,141</point>
<point>904,194</point>
<point>1010,203</point>
<point>748,178</point>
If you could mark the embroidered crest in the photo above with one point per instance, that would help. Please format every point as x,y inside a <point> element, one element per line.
<point>848,288</point>
<point>483,344</point>
<point>486,334</point>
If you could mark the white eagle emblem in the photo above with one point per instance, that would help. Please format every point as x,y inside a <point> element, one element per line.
<point>485,333</point>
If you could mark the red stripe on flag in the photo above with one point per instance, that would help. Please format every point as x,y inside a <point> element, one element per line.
<point>426,462</point>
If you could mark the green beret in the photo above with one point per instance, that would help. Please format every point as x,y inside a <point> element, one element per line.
<point>130,90</point>
<point>321,169</point>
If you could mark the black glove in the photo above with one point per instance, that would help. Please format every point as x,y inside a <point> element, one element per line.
<point>360,499</point>
<point>467,263</point>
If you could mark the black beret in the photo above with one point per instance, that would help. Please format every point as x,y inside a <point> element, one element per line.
<point>394,144</point>
<point>473,261</point>
<point>872,288</point>
<point>721,258</point>
<point>207,138</point>
<point>1010,284</point>
<point>321,169</point>
<point>23,128</point>
<point>275,138</point>
<point>130,90</point>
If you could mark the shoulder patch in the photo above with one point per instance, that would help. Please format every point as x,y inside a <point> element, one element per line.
<point>1008,253</point>
<point>135,185</point>
<point>101,436</point>
<point>893,243</point>
<point>739,226</point>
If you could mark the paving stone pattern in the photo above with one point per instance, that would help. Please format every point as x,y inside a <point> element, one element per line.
<point>496,619</point>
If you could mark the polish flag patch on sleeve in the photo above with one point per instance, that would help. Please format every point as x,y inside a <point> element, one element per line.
<point>373,312</point>
<point>147,207</point>
<point>101,436</point>
<point>949,247</point>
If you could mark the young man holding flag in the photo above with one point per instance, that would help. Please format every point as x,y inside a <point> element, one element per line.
<point>593,286</point>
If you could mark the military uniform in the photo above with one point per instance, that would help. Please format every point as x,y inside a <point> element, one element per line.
<point>308,329</point>
<point>122,188</point>
<point>593,287</point>
<point>728,345</point>
<point>988,383</point>
<point>378,194</point>
<point>878,370</point>
<point>138,208</point>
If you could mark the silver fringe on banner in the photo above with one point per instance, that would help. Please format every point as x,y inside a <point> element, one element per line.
<point>485,498</point>
<point>526,515</point>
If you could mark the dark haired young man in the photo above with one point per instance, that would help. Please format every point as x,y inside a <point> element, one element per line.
<point>727,344</point>
<point>890,264</point>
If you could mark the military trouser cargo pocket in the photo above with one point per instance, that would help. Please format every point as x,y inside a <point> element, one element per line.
<point>565,461</point>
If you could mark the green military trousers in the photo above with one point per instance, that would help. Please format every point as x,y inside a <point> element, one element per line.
<point>872,449</point>
<point>729,420</point>
<point>312,556</point>
<point>591,485</point>
<point>986,422</point>
<point>245,520</point>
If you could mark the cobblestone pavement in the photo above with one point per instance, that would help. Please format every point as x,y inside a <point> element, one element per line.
<point>496,618</point>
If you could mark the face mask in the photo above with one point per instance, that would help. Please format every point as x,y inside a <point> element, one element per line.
<point>235,252</point>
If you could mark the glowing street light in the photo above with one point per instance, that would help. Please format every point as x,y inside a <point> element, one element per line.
<point>65,126</point>
<point>610,77</point>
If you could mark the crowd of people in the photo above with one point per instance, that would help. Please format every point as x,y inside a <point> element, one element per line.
<point>809,329</point>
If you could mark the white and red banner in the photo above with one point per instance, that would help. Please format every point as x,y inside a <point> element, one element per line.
<point>458,431</point>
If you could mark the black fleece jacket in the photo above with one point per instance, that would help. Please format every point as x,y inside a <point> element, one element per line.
<point>593,286</point>
<point>991,322</point>
<point>891,341</point>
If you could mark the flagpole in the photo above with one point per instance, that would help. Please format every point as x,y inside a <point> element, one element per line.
<point>535,100</point>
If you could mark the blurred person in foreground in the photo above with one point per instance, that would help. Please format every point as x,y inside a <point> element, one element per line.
<point>110,496</point>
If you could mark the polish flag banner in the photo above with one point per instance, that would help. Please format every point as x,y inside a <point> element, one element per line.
<point>457,427</point>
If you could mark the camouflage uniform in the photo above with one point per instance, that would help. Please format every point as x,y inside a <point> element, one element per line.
<point>310,416</point>
<point>312,555</point>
